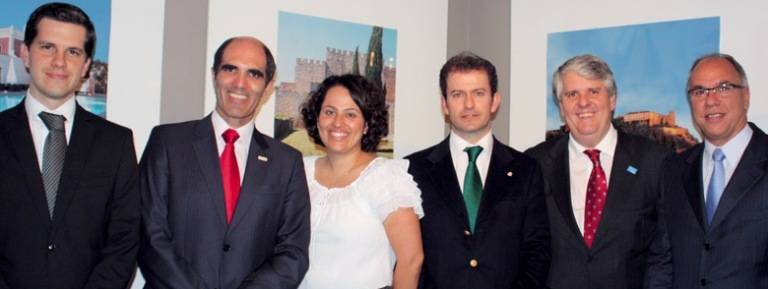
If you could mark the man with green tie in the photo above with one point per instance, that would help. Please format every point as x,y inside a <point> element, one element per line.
<point>485,223</point>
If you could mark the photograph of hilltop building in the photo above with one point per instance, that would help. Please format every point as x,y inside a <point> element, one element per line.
<point>328,47</point>
<point>14,78</point>
<point>650,64</point>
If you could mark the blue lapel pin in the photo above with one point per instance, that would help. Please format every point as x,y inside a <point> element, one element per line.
<point>632,170</point>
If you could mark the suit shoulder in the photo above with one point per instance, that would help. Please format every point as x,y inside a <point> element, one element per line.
<point>106,125</point>
<point>517,156</point>
<point>646,145</point>
<point>421,155</point>
<point>542,148</point>
<point>280,147</point>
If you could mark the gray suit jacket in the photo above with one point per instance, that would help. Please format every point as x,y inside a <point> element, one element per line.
<point>730,253</point>
<point>186,241</point>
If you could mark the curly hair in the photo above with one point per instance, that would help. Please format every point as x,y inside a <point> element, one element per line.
<point>369,97</point>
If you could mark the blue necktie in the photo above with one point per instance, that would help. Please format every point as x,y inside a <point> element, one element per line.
<point>716,184</point>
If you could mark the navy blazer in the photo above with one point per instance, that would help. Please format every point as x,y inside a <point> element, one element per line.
<point>93,237</point>
<point>186,241</point>
<point>618,256</point>
<point>510,245</point>
<point>732,252</point>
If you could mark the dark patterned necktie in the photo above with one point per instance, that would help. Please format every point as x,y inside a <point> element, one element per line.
<point>597,190</point>
<point>54,151</point>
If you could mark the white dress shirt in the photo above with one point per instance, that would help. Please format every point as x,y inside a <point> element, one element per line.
<point>242,144</point>
<point>733,150</point>
<point>461,159</point>
<point>580,167</point>
<point>37,127</point>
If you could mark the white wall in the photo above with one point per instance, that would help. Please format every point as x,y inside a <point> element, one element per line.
<point>741,35</point>
<point>421,31</point>
<point>135,67</point>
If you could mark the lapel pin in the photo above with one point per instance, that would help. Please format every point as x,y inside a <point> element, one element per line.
<point>262,158</point>
<point>632,170</point>
<point>509,174</point>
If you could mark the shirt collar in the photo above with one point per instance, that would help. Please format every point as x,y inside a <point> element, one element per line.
<point>458,144</point>
<point>734,148</point>
<point>34,107</point>
<point>220,125</point>
<point>606,146</point>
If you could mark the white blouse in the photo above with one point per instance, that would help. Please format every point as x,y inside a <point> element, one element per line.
<point>349,246</point>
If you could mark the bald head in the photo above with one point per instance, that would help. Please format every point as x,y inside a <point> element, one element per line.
<point>270,69</point>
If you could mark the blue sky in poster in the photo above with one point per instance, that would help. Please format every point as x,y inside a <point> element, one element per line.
<point>649,61</point>
<point>302,36</point>
<point>16,12</point>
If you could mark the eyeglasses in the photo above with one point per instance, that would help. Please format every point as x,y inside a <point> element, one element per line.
<point>724,89</point>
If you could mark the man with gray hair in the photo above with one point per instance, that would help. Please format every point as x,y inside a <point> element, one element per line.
<point>716,193</point>
<point>600,185</point>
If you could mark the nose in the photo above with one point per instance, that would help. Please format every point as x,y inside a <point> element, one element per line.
<point>58,59</point>
<point>711,98</point>
<point>469,102</point>
<point>337,119</point>
<point>239,81</point>
<point>582,100</point>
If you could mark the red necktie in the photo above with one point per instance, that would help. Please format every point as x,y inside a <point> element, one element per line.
<point>597,190</point>
<point>230,174</point>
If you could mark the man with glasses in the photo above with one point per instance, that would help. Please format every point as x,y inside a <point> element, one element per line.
<point>601,185</point>
<point>716,193</point>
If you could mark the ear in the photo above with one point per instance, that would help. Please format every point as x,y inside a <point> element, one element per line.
<point>496,102</point>
<point>444,105</point>
<point>268,90</point>
<point>612,101</point>
<point>86,64</point>
<point>25,55</point>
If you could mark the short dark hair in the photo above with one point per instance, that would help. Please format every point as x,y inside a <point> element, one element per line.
<point>271,67</point>
<point>727,57</point>
<point>369,97</point>
<point>467,61</point>
<point>65,13</point>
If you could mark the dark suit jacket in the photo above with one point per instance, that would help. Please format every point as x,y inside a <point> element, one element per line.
<point>186,241</point>
<point>510,246</point>
<point>617,258</point>
<point>730,253</point>
<point>93,237</point>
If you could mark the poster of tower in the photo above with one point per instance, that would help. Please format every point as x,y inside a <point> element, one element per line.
<point>650,63</point>
<point>309,49</point>
<point>14,78</point>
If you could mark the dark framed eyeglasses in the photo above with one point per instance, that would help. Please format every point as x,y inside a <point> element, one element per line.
<point>724,89</point>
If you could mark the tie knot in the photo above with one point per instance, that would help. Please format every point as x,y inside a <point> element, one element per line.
<point>594,156</point>
<point>52,121</point>
<point>230,136</point>
<point>473,152</point>
<point>718,155</point>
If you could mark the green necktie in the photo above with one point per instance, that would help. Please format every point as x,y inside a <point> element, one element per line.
<point>473,186</point>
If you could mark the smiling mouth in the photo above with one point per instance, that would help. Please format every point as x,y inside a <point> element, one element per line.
<point>585,114</point>
<point>238,96</point>
<point>713,115</point>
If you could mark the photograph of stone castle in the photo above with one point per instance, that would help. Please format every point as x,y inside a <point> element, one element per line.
<point>650,63</point>
<point>328,47</point>
<point>14,78</point>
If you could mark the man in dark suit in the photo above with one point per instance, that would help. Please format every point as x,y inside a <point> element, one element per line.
<point>485,223</point>
<point>69,202</point>
<point>203,225</point>
<point>716,193</point>
<point>601,185</point>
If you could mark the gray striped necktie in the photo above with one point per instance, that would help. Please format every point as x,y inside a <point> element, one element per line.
<point>53,156</point>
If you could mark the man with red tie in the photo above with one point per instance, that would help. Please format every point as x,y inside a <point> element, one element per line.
<point>225,206</point>
<point>601,185</point>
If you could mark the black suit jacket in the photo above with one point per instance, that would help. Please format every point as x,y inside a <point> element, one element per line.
<point>730,253</point>
<point>510,246</point>
<point>186,241</point>
<point>617,258</point>
<point>93,237</point>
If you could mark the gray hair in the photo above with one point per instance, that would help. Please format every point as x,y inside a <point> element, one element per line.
<point>587,66</point>
<point>736,65</point>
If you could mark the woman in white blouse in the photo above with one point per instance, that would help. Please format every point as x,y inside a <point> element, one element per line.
<point>365,209</point>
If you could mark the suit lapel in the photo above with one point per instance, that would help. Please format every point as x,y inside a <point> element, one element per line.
<point>444,176</point>
<point>692,180</point>
<point>619,186</point>
<point>750,169</point>
<point>80,142</point>
<point>207,156</point>
<point>561,186</point>
<point>496,181</point>
<point>20,139</point>
<point>254,178</point>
